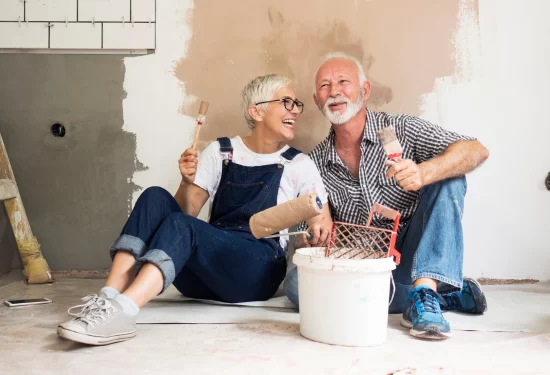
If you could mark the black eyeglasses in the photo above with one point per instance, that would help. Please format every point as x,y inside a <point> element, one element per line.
<point>288,102</point>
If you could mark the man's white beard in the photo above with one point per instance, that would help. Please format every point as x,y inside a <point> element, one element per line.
<point>352,109</point>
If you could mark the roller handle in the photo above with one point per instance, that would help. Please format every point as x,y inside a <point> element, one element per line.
<point>387,213</point>
<point>307,234</point>
<point>393,215</point>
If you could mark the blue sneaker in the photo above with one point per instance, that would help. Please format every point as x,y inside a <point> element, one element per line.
<point>423,315</point>
<point>470,299</point>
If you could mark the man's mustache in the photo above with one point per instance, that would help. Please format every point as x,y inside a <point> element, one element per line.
<point>338,99</point>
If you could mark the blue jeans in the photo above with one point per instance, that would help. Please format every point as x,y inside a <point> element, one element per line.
<point>201,260</point>
<point>431,244</point>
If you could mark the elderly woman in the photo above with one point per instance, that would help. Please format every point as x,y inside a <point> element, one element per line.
<point>163,242</point>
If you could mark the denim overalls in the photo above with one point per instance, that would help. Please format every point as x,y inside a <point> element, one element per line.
<point>220,260</point>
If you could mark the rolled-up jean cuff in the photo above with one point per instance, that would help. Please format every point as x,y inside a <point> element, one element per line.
<point>163,262</point>
<point>451,284</point>
<point>129,243</point>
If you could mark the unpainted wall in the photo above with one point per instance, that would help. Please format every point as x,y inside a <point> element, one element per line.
<point>403,45</point>
<point>77,189</point>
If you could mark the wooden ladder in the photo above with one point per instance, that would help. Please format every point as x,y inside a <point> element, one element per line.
<point>36,268</point>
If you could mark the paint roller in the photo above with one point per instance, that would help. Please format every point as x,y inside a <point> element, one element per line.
<point>285,215</point>
<point>201,118</point>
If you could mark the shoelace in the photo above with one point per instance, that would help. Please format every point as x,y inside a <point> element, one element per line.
<point>100,314</point>
<point>428,301</point>
<point>91,301</point>
<point>94,311</point>
<point>453,301</point>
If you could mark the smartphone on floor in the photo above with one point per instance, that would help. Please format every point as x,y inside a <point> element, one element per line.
<point>26,302</point>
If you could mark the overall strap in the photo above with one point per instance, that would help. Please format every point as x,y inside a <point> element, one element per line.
<point>290,154</point>
<point>225,148</point>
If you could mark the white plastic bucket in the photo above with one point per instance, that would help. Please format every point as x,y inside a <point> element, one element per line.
<point>343,301</point>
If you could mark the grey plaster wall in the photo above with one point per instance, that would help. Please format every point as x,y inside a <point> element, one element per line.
<point>7,246</point>
<point>76,189</point>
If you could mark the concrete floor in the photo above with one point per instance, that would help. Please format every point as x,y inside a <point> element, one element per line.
<point>29,345</point>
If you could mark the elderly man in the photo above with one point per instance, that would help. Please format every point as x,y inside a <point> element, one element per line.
<point>427,187</point>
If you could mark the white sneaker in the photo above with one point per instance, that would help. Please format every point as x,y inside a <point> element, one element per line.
<point>100,322</point>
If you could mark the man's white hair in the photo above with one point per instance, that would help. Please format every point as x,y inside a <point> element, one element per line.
<point>337,118</point>
<point>345,56</point>
<point>261,89</point>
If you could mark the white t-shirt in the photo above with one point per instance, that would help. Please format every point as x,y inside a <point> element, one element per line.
<point>300,176</point>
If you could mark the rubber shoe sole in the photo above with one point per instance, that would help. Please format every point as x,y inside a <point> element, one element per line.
<point>432,333</point>
<point>91,339</point>
<point>483,301</point>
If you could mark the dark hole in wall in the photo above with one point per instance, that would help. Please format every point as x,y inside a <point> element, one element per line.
<point>76,189</point>
<point>58,130</point>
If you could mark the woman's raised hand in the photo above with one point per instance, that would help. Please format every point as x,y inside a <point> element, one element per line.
<point>188,165</point>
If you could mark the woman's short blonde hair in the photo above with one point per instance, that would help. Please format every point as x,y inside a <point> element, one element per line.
<point>261,89</point>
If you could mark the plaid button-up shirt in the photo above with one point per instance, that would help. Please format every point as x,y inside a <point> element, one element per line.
<point>351,198</point>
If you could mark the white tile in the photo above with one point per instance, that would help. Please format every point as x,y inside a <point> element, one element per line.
<point>50,10</point>
<point>104,10</point>
<point>143,10</point>
<point>75,35</point>
<point>24,35</point>
<point>11,10</point>
<point>129,36</point>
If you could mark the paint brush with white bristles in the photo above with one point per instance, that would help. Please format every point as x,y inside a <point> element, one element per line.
<point>390,143</point>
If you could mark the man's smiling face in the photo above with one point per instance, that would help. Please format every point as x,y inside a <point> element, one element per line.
<point>338,93</point>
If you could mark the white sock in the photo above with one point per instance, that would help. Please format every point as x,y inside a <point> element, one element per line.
<point>128,305</point>
<point>110,292</point>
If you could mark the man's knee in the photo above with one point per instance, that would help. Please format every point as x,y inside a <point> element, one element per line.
<point>455,187</point>
<point>290,286</point>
